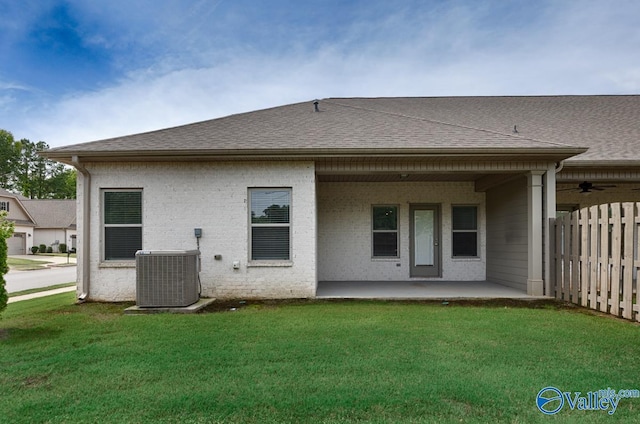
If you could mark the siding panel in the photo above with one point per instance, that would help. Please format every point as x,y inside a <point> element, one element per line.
<point>507,234</point>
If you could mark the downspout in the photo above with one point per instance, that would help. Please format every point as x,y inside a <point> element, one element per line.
<point>86,228</point>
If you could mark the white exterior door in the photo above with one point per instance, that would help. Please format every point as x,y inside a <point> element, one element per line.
<point>425,240</point>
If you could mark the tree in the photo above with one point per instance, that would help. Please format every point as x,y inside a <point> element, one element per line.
<point>62,183</point>
<point>9,159</point>
<point>39,178</point>
<point>273,214</point>
<point>6,231</point>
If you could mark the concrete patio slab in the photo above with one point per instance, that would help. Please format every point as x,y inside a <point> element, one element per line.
<point>191,309</point>
<point>418,290</point>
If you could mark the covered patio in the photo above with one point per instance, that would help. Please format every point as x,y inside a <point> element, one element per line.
<point>418,290</point>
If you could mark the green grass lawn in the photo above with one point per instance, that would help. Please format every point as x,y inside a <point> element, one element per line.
<point>316,362</point>
<point>63,255</point>
<point>40,289</point>
<point>18,264</point>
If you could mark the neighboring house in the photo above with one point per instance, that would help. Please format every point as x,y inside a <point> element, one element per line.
<point>55,222</point>
<point>24,224</point>
<point>355,189</point>
<point>48,222</point>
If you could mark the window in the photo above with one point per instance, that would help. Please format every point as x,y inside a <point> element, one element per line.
<point>465,231</point>
<point>4,206</point>
<point>122,216</point>
<point>385,231</point>
<point>270,224</point>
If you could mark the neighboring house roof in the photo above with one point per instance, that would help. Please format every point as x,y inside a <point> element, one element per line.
<point>45,213</point>
<point>561,126</point>
<point>7,193</point>
<point>52,213</point>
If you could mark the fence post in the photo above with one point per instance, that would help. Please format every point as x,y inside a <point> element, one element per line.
<point>602,293</point>
<point>555,224</point>
<point>628,221</point>
<point>616,257</point>
<point>566,258</point>
<point>584,256</point>
<point>575,257</point>
<point>593,257</point>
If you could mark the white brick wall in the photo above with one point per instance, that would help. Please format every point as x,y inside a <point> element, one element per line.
<point>178,197</point>
<point>344,229</point>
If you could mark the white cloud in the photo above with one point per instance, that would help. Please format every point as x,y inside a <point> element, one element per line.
<point>569,48</point>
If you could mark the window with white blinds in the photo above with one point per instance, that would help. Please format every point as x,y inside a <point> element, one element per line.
<point>122,224</point>
<point>270,224</point>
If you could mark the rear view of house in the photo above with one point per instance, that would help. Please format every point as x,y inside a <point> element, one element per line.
<point>342,190</point>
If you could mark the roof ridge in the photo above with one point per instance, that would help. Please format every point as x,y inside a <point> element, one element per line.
<point>417,118</point>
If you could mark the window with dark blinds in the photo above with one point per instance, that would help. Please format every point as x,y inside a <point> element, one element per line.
<point>270,224</point>
<point>465,231</point>
<point>385,231</point>
<point>122,216</point>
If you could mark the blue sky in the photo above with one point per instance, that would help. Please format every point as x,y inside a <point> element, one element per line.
<point>81,70</point>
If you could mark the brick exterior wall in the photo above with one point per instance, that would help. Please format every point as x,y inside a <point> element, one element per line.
<point>178,197</point>
<point>344,229</point>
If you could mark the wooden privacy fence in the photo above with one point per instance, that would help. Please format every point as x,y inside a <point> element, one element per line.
<point>596,258</point>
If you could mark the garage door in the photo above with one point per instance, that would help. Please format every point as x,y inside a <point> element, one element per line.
<point>17,244</point>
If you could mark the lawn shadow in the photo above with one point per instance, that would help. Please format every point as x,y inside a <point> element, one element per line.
<point>27,335</point>
<point>230,305</point>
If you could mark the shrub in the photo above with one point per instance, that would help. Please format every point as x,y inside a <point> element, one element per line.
<point>34,249</point>
<point>62,248</point>
<point>6,231</point>
<point>43,248</point>
<point>49,249</point>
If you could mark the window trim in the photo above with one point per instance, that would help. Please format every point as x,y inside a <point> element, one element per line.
<point>251,225</point>
<point>476,231</point>
<point>396,231</point>
<point>103,225</point>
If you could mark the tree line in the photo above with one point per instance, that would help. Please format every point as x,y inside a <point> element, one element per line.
<point>24,171</point>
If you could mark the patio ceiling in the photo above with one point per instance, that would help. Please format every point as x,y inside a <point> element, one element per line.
<point>397,177</point>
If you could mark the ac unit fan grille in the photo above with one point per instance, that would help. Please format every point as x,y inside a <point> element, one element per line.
<point>167,278</point>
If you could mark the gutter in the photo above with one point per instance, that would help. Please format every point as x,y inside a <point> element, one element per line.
<point>555,154</point>
<point>86,227</point>
<point>622,163</point>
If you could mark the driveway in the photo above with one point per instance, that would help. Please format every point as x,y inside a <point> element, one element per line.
<point>25,280</point>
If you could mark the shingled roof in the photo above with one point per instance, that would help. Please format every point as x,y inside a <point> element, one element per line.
<point>563,125</point>
<point>52,213</point>
<point>7,193</point>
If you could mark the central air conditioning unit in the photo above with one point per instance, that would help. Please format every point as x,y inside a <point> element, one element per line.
<point>167,278</point>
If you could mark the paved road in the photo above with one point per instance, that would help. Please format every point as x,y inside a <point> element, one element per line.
<point>25,280</point>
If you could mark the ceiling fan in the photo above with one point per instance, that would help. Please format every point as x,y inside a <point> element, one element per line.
<point>586,187</point>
